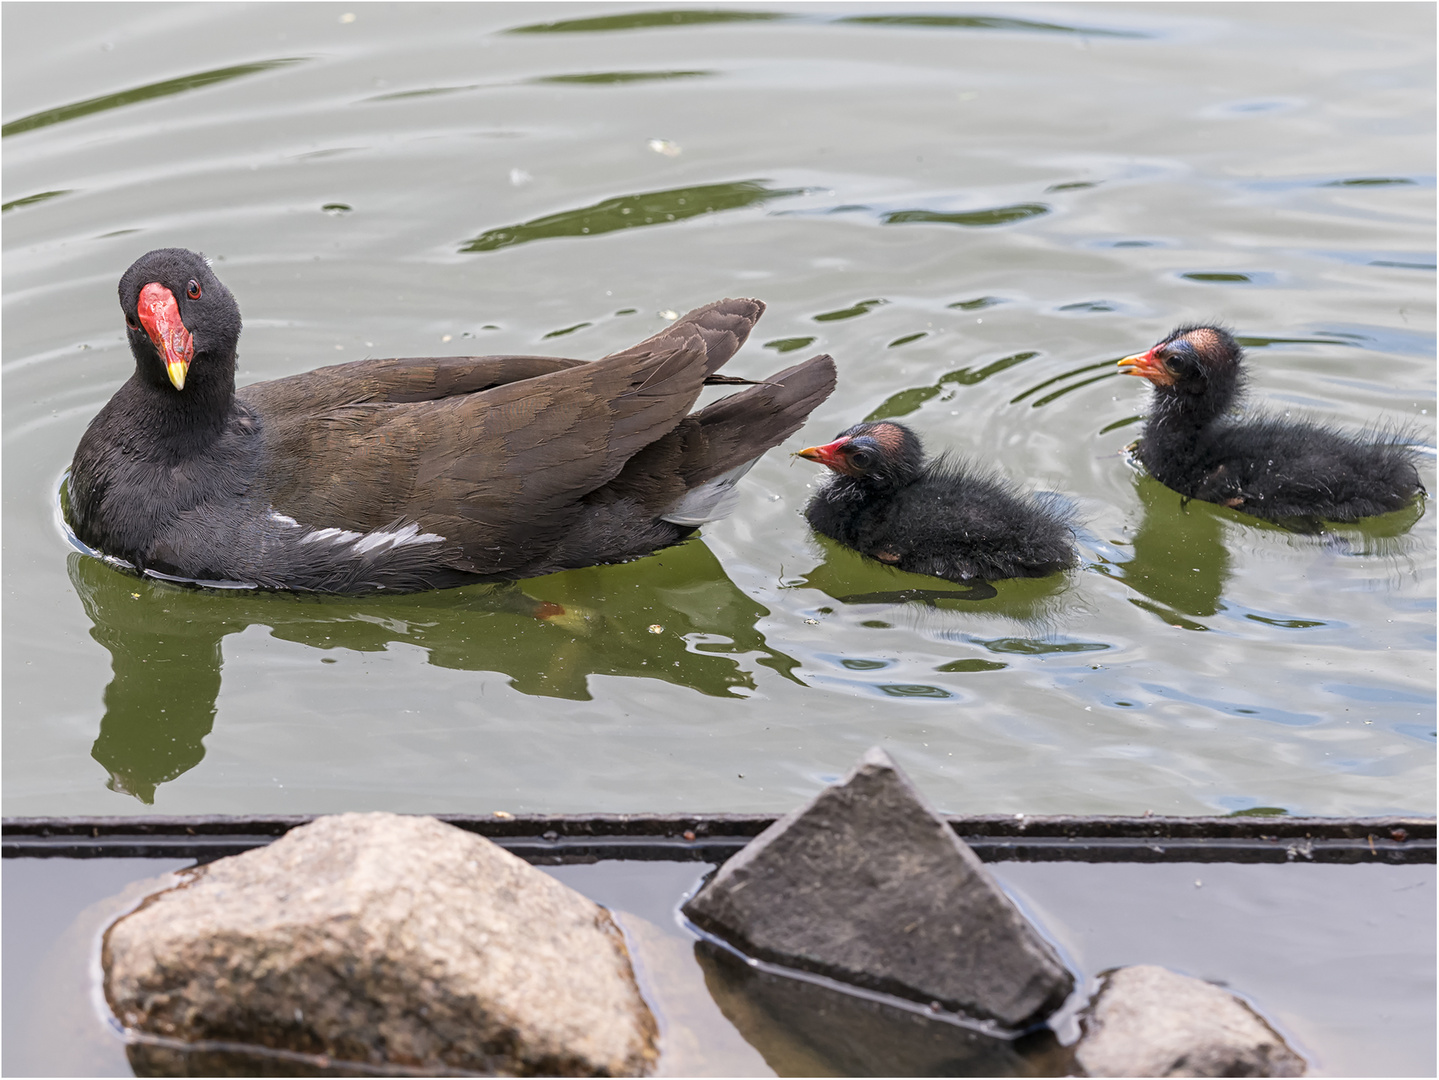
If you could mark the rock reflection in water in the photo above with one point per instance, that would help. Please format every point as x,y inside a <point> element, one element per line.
<point>808,1029</point>
<point>674,616</point>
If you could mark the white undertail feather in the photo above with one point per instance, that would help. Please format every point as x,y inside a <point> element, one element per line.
<point>710,501</point>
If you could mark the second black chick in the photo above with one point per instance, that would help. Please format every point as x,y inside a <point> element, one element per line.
<point>1267,466</point>
<point>939,517</point>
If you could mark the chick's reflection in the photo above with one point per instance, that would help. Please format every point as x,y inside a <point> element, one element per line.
<point>1180,561</point>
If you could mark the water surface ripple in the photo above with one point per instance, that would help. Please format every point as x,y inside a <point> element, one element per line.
<point>976,211</point>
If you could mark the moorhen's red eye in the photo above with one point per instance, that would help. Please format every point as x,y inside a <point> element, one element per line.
<point>193,290</point>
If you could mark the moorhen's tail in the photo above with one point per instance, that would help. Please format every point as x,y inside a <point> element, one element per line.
<point>743,426</point>
<point>723,326</point>
<point>735,431</point>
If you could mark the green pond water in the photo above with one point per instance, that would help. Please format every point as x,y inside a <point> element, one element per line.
<point>976,209</point>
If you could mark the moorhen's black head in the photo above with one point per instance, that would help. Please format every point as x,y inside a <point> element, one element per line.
<point>884,454</point>
<point>1197,366</point>
<point>180,316</point>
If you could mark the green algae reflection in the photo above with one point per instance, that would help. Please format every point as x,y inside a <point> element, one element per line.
<point>616,78</point>
<point>31,200</point>
<point>984,22</point>
<point>674,617</point>
<point>647,20</point>
<point>148,92</point>
<point>907,401</point>
<point>995,215</point>
<point>632,212</point>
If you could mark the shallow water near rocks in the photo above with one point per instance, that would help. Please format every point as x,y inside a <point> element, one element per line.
<point>1339,959</point>
<point>976,210</point>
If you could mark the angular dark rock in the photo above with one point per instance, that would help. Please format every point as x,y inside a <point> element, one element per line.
<point>1149,1021</point>
<point>868,885</point>
<point>398,943</point>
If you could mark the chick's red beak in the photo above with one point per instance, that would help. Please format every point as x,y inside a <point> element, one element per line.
<point>160,316</point>
<point>828,454</point>
<point>1148,366</point>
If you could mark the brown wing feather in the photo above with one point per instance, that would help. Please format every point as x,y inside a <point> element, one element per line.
<point>495,471</point>
<point>501,471</point>
<point>724,327</point>
<point>396,380</point>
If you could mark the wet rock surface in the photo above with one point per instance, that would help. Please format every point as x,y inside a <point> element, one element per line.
<point>868,885</point>
<point>389,941</point>
<point>1149,1021</point>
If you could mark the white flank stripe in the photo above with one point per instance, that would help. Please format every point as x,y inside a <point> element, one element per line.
<point>363,542</point>
<point>334,536</point>
<point>410,534</point>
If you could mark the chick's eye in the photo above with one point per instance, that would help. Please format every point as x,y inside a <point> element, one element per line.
<point>861,459</point>
<point>193,290</point>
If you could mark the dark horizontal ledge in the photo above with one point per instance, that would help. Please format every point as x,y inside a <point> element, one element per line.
<point>569,838</point>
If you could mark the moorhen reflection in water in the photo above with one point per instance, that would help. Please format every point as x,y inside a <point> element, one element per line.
<point>939,517</point>
<point>549,637</point>
<point>411,474</point>
<point>1288,471</point>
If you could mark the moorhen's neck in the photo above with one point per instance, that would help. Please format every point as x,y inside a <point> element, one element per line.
<point>191,417</point>
<point>872,486</point>
<point>1174,408</point>
<point>183,326</point>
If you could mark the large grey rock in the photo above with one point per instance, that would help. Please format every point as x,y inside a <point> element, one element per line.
<point>388,940</point>
<point>1149,1021</point>
<point>867,884</point>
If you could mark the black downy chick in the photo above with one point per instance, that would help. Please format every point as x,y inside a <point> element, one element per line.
<point>939,517</point>
<point>1267,466</point>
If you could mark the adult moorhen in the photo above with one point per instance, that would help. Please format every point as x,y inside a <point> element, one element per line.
<point>940,518</point>
<point>413,473</point>
<point>1273,468</point>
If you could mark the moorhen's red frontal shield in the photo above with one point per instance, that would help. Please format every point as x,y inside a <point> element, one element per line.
<point>159,314</point>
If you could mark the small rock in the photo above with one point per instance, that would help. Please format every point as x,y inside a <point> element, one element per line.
<point>1149,1021</point>
<point>868,885</point>
<point>383,939</point>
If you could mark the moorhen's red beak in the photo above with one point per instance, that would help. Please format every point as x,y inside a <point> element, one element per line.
<point>828,454</point>
<point>160,316</point>
<point>1148,366</point>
